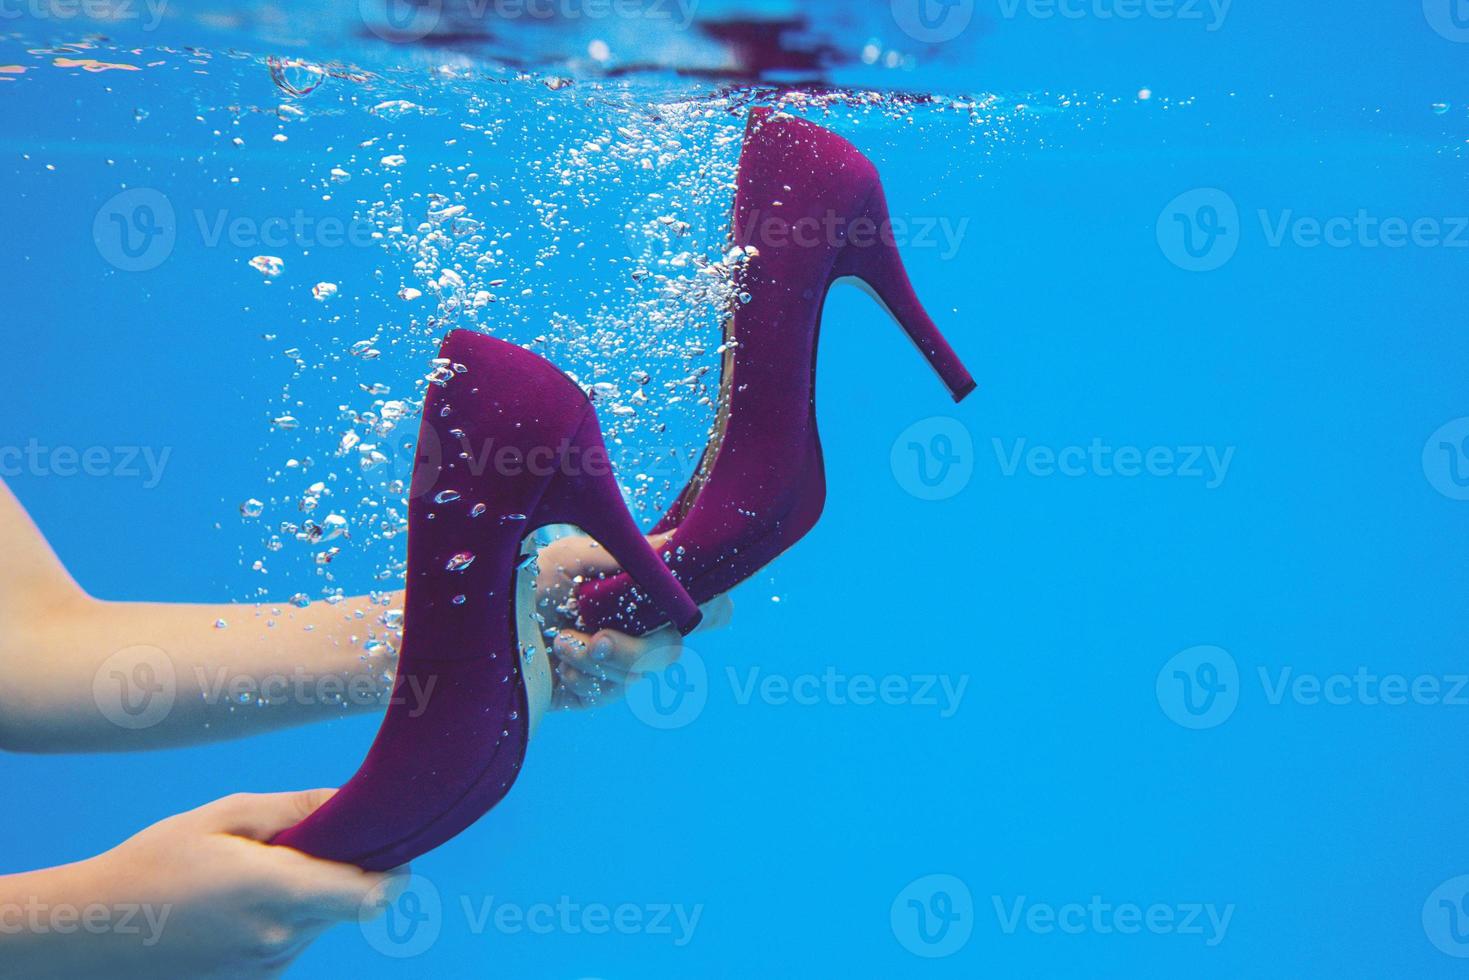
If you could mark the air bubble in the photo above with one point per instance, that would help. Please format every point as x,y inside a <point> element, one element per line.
<point>460,562</point>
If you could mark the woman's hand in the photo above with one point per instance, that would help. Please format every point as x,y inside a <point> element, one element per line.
<point>196,895</point>
<point>595,669</point>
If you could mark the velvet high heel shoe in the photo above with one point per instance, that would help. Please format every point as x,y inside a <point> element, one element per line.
<point>809,211</point>
<point>508,444</point>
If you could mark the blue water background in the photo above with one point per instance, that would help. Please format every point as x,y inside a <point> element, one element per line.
<point>1060,599</point>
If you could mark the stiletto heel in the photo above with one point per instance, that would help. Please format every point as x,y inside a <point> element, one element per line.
<point>591,499</point>
<point>876,264</point>
<point>760,486</point>
<point>517,446</point>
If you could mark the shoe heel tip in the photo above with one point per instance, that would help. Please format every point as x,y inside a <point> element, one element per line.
<point>965,390</point>
<point>691,622</point>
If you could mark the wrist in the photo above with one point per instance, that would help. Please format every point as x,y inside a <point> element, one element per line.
<point>51,920</point>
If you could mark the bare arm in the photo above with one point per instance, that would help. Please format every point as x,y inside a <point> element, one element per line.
<point>79,674</point>
<point>197,895</point>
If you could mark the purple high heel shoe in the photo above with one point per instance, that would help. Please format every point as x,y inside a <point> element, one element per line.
<point>508,444</point>
<point>809,210</point>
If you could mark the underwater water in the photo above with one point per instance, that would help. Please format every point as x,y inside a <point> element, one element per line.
<point>1148,659</point>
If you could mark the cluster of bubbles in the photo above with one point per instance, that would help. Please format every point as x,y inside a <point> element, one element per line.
<point>487,219</point>
<point>587,222</point>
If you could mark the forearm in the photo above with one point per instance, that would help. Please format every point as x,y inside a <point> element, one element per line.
<point>93,676</point>
<point>54,923</point>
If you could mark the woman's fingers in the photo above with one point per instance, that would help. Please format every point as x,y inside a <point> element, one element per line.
<point>614,656</point>
<point>597,561</point>
<point>307,888</point>
<point>596,669</point>
<point>595,656</point>
<point>660,648</point>
<point>566,558</point>
<point>260,816</point>
<point>585,688</point>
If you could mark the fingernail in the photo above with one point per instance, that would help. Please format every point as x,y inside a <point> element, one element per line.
<point>601,649</point>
